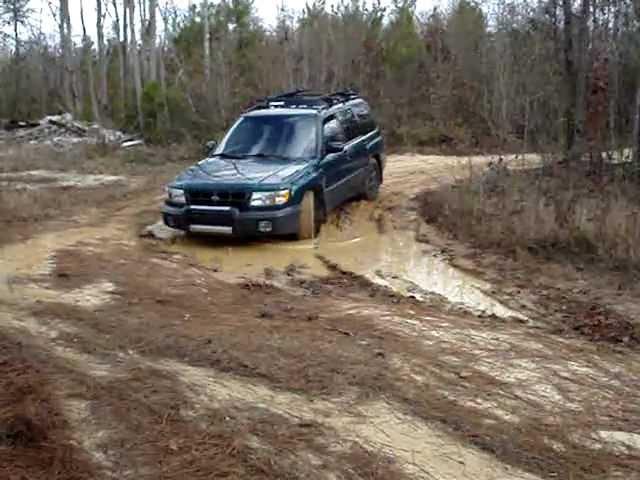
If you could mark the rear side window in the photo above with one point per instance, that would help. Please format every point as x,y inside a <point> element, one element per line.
<point>350,123</point>
<point>365,120</point>
<point>332,131</point>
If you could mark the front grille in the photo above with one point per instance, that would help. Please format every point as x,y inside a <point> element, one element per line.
<point>219,198</point>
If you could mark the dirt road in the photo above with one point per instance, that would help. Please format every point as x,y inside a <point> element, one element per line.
<point>363,354</point>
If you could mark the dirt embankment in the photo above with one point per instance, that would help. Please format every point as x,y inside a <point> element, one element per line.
<point>193,360</point>
<point>572,234</point>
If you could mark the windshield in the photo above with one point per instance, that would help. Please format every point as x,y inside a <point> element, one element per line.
<point>285,136</point>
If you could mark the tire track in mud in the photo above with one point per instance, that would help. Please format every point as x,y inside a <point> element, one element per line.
<point>423,451</point>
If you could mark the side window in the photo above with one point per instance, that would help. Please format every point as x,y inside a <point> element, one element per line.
<point>366,122</point>
<point>332,131</point>
<point>350,123</point>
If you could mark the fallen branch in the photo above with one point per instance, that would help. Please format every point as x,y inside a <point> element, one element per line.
<point>334,329</point>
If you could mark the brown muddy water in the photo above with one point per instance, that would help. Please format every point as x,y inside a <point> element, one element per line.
<point>392,258</point>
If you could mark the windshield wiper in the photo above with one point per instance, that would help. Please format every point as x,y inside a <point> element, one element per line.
<point>266,155</point>
<point>234,156</point>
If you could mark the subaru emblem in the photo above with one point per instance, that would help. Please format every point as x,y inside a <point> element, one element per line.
<point>215,198</point>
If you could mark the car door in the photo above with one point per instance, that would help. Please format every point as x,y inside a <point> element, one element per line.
<point>357,154</point>
<point>334,164</point>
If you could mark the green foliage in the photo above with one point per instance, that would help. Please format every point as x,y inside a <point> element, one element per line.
<point>404,46</point>
<point>155,115</point>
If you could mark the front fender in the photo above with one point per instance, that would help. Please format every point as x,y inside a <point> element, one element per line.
<point>315,182</point>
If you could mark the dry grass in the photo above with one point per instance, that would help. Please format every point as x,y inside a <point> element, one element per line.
<point>18,206</point>
<point>561,212</point>
<point>153,431</point>
<point>35,441</point>
<point>96,159</point>
<point>22,211</point>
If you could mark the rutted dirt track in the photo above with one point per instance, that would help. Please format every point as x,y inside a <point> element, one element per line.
<point>361,355</point>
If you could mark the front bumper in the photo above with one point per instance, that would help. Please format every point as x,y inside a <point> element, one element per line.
<point>231,221</point>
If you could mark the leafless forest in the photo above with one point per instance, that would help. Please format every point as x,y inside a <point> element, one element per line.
<point>552,75</point>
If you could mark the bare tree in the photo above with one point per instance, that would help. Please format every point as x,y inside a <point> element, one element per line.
<point>122,54</point>
<point>206,40</point>
<point>137,77</point>
<point>636,123</point>
<point>88,62</point>
<point>153,59</point>
<point>582,54</point>
<point>636,126</point>
<point>571,78</point>
<point>102,57</point>
<point>149,33</point>
<point>64,26</point>
<point>614,74</point>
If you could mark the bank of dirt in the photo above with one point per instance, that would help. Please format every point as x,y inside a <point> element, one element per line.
<point>559,243</point>
<point>208,358</point>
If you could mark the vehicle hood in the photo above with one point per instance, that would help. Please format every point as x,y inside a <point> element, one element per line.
<point>244,171</point>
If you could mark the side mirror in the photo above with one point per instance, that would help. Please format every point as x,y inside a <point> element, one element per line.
<point>334,147</point>
<point>210,147</point>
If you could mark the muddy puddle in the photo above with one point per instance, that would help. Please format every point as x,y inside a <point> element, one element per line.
<point>36,258</point>
<point>392,258</point>
<point>352,239</point>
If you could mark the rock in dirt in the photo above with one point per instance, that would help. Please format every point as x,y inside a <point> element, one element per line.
<point>160,231</point>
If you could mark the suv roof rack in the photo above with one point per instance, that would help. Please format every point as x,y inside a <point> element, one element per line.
<point>304,98</point>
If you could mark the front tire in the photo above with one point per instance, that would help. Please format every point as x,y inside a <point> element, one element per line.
<point>372,181</point>
<point>307,224</point>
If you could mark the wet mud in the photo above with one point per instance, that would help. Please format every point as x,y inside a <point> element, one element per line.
<point>190,349</point>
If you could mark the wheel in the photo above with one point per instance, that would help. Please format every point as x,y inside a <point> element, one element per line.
<point>307,224</point>
<point>311,216</point>
<point>372,181</point>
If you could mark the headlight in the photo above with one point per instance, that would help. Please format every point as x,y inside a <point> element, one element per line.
<point>267,199</point>
<point>176,195</point>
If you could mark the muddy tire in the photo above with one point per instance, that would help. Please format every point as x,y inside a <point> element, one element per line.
<point>307,227</point>
<point>372,181</point>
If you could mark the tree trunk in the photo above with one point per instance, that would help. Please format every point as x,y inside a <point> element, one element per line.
<point>163,87</point>
<point>102,60</point>
<point>582,54</point>
<point>65,43</point>
<point>143,56</point>
<point>570,79</point>
<point>636,128</point>
<point>125,50</point>
<point>88,61</point>
<point>614,79</point>
<point>148,32</point>
<point>206,41</point>
<point>152,32</point>
<point>137,78</point>
<point>122,58</point>
<point>16,61</point>
<point>636,112</point>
